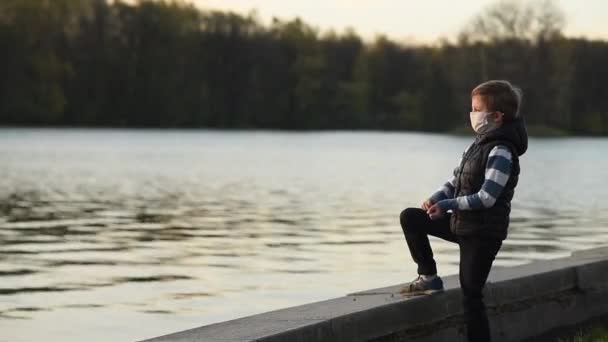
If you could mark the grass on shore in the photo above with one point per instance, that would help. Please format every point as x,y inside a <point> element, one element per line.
<point>594,335</point>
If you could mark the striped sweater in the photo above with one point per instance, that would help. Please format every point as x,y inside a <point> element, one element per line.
<point>498,169</point>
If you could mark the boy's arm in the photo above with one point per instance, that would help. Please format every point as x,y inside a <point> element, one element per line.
<point>446,191</point>
<point>498,169</point>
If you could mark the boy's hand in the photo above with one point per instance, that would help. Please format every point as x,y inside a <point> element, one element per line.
<point>435,212</point>
<point>427,204</point>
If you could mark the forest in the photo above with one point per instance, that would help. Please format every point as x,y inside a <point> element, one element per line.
<point>169,64</point>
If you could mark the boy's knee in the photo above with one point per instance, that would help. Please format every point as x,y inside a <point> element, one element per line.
<point>408,216</point>
<point>404,216</point>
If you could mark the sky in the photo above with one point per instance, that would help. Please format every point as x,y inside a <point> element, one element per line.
<point>416,21</point>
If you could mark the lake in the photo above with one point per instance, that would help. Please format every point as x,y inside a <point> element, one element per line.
<point>122,235</point>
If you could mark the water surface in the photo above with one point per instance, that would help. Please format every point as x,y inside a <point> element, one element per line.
<point>109,235</point>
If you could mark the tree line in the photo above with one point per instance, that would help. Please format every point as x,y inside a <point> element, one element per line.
<point>171,64</point>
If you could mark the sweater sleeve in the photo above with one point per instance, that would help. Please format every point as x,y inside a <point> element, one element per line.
<point>446,191</point>
<point>498,169</point>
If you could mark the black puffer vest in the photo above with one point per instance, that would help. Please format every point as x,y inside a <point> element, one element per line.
<point>470,174</point>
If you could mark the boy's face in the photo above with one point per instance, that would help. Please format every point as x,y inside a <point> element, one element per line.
<point>479,105</point>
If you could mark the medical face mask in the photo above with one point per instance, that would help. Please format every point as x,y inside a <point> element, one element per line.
<point>481,123</point>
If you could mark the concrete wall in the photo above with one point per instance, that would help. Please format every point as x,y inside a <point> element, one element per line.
<point>522,302</point>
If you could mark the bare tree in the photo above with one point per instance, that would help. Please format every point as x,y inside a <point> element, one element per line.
<point>515,19</point>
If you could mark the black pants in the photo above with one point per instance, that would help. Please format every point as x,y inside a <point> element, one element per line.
<point>476,257</point>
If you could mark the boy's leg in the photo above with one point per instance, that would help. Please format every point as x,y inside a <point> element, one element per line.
<point>416,226</point>
<point>476,257</point>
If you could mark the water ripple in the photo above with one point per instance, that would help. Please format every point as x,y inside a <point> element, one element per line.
<point>208,223</point>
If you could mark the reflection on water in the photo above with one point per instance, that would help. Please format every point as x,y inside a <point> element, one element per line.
<point>134,234</point>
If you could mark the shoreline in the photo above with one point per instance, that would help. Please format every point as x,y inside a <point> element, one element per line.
<point>534,131</point>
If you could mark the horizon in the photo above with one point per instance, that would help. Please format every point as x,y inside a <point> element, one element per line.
<point>430,22</point>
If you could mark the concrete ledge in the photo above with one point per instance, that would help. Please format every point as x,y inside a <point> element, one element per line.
<point>522,302</point>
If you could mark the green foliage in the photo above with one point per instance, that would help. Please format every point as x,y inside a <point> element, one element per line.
<point>170,64</point>
<point>595,335</point>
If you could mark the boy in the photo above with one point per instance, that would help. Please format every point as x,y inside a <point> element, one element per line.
<point>479,197</point>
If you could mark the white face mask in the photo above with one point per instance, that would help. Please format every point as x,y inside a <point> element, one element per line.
<point>481,122</point>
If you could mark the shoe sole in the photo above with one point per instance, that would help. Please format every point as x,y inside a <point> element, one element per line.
<point>420,293</point>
